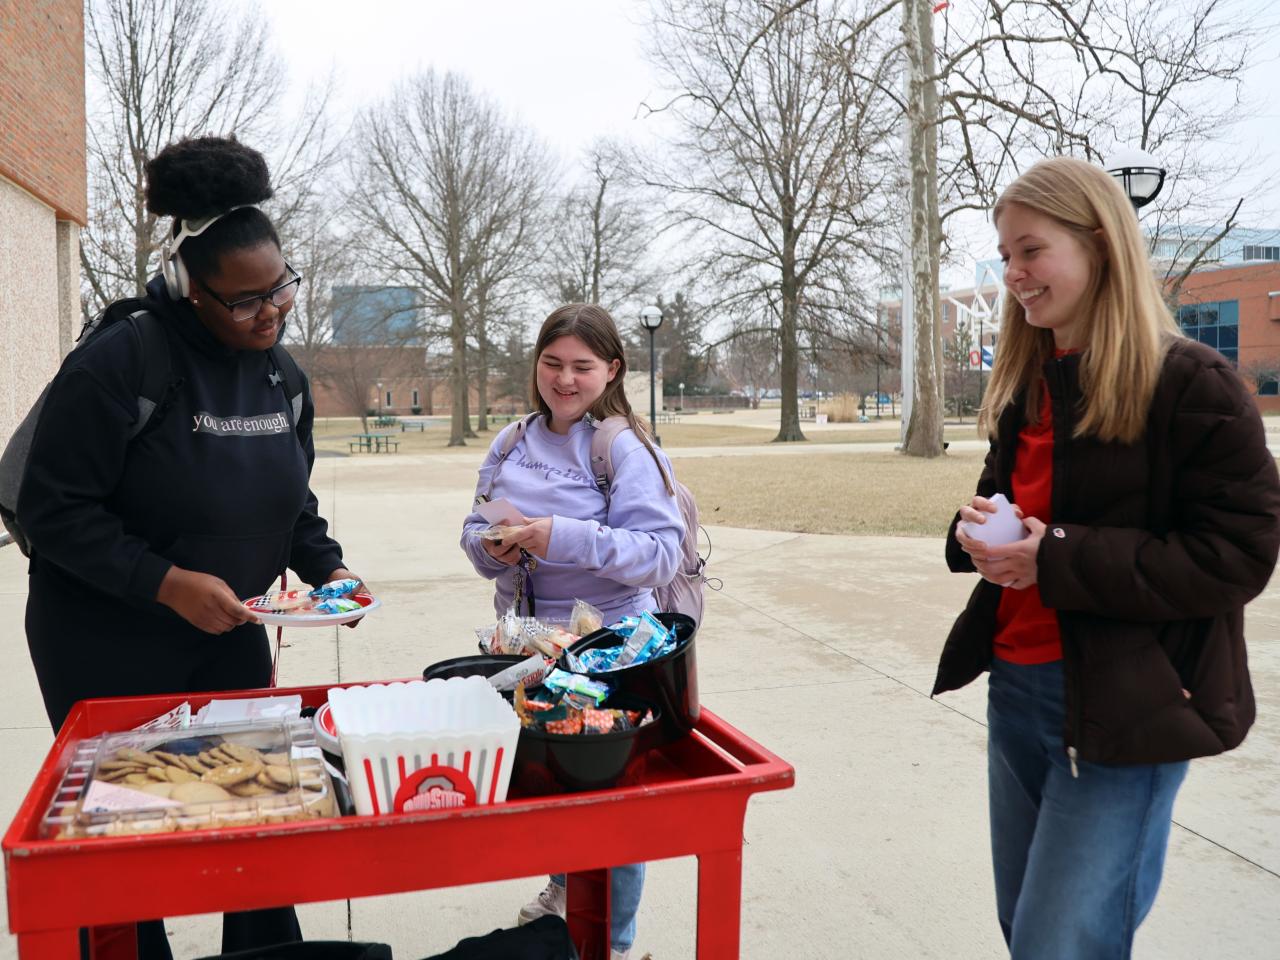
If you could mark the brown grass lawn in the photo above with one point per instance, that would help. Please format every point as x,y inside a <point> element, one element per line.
<point>334,436</point>
<point>728,435</point>
<point>882,494</point>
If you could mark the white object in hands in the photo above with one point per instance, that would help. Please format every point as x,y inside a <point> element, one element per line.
<point>1001,527</point>
<point>500,512</point>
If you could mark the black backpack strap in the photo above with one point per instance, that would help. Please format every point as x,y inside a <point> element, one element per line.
<point>283,364</point>
<point>158,388</point>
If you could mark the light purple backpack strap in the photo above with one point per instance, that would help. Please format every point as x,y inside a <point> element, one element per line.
<point>606,432</point>
<point>510,437</point>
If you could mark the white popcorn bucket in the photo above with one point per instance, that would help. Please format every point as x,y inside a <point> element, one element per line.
<point>425,744</point>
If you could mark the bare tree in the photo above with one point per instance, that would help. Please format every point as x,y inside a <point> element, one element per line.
<point>749,364</point>
<point>439,188</point>
<point>1013,81</point>
<point>326,259</point>
<point>165,69</point>
<point>601,237</point>
<point>779,164</point>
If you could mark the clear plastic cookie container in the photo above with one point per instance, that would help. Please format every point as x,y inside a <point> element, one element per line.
<point>204,777</point>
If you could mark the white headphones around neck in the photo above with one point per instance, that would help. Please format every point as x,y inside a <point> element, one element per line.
<point>176,279</point>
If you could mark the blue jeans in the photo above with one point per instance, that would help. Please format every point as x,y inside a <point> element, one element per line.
<point>1077,859</point>
<point>625,886</point>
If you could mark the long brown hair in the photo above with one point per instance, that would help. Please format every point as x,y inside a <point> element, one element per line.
<point>1126,325</point>
<point>593,326</point>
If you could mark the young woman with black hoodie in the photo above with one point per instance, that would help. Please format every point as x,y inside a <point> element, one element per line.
<point>143,547</point>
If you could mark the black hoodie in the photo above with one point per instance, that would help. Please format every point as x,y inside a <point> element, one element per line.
<point>218,485</point>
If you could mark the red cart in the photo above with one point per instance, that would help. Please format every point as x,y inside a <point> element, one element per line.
<point>695,789</point>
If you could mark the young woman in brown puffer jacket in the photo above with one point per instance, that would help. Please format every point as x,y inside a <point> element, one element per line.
<point>1113,630</point>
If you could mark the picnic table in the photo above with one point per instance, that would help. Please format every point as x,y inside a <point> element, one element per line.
<point>696,788</point>
<point>665,417</point>
<point>374,443</point>
<point>384,420</point>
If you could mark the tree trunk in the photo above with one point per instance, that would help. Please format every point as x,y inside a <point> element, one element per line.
<point>924,428</point>
<point>458,426</point>
<point>789,427</point>
<point>466,394</point>
<point>141,242</point>
<point>482,381</point>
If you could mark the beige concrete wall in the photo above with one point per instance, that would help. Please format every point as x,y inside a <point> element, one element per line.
<point>636,387</point>
<point>38,302</point>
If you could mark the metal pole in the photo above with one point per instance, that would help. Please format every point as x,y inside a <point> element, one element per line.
<point>980,359</point>
<point>653,395</point>
<point>879,357</point>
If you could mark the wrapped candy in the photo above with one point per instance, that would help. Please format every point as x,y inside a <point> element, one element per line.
<point>336,588</point>
<point>585,618</point>
<point>559,680</point>
<point>645,640</point>
<point>337,605</point>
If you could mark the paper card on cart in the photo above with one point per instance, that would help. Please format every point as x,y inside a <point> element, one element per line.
<point>253,708</point>
<point>501,511</point>
<point>102,797</point>
<point>179,718</point>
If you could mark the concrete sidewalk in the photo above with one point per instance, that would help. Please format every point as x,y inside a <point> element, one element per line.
<point>821,647</point>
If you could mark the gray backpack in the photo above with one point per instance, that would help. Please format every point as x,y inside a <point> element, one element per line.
<point>684,594</point>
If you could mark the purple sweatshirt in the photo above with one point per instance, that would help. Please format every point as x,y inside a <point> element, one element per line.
<point>610,557</point>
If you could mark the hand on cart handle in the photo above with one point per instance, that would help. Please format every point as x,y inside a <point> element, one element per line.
<point>203,600</point>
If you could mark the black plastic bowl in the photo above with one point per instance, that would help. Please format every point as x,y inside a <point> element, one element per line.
<point>670,681</point>
<point>572,762</point>
<point>475,666</point>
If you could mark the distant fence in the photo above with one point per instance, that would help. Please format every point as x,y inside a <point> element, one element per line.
<point>716,402</point>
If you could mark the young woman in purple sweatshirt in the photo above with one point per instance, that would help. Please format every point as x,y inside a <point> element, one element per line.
<point>610,553</point>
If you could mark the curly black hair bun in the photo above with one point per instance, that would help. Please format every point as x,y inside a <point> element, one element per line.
<point>202,176</point>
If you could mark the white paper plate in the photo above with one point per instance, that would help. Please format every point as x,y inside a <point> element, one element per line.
<point>311,619</point>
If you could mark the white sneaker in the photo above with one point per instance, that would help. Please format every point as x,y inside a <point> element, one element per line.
<point>549,901</point>
<point>619,954</point>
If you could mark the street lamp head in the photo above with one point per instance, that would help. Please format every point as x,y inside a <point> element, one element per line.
<point>651,317</point>
<point>1140,175</point>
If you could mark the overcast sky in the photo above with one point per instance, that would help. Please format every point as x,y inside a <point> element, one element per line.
<point>575,69</point>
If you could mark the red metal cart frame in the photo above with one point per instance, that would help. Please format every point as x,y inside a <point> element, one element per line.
<point>692,801</point>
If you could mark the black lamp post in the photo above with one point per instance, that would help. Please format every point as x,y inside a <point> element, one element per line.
<point>1140,175</point>
<point>380,404</point>
<point>651,320</point>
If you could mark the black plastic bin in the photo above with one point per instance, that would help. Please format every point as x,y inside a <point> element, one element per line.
<point>562,762</point>
<point>477,665</point>
<point>670,681</point>
<point>572,762</point>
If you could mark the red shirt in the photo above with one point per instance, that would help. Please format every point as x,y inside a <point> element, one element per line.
<point>1026,631</point>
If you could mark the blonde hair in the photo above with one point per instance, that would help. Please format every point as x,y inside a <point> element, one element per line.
<point>1125,325</point>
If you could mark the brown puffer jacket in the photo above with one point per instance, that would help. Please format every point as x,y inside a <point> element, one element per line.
<point>1154,549</point>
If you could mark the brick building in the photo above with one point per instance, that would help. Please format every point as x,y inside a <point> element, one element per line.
<point>1233,307</point>
<point>43,193</point>
<point>350,380</point>
<point>1236,310</point>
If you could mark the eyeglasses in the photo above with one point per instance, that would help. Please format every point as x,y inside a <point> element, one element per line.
<point>244,310</point>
